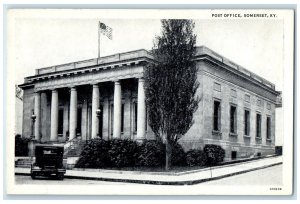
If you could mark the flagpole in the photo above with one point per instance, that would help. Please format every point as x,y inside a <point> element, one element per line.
<point>99,40</point>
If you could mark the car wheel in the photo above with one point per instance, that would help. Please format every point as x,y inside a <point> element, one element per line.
<point>33,176</point>
<point>60,176</point>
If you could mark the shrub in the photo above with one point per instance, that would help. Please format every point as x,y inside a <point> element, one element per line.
<point>94,155</point>
<point>214,153</point>
<point>122,153</point>
<point>21,146</point>
<point>98,153</point>
<point>196,157</point>
<point>178,155</point>
<point>151,153</point>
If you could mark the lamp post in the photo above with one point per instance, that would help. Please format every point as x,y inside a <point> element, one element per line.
<point>33,117</point>
<point>32,137</point>
<point>98,113</point>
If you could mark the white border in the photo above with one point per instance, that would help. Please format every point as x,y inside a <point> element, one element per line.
<point>150,190</point>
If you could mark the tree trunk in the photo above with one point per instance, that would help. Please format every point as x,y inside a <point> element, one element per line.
<point>168,155</point>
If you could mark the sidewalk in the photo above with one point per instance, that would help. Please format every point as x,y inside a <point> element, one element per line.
<point>165,178</point>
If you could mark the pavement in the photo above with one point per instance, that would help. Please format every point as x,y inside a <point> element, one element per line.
<point>168,178</point>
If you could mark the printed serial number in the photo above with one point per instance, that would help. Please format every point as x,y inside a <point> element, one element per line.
<point>275,189</point>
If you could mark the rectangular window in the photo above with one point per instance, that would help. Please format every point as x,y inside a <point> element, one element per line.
<point>268,127</point>
<point>232,119</point>
<point>60,121</point>
<point>217,116</point>
<point>78,129</point>
<point>135,116</point>
<point>258,125</point>
<point>247,122</point>
<point>122,118</point>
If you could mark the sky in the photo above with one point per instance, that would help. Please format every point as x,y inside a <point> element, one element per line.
<point>257,45</point>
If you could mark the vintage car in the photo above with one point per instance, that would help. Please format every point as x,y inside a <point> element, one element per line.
<point>48,161</point>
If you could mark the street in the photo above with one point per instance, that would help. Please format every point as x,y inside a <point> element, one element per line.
<point>50,181</point>
<point>267,176</point>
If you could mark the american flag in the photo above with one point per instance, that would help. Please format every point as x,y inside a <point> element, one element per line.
<point>107,31</point>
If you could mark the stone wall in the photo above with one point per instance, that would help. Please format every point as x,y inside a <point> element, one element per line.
<point>220,86</point>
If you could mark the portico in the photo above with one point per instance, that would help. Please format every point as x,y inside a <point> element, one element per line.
<point>101,98</point>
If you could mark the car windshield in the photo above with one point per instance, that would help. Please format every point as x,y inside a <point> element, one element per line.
<point>50,151</point>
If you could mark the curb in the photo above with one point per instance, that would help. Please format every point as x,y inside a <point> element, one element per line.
<point>192,182</point>
<point>225,164</point>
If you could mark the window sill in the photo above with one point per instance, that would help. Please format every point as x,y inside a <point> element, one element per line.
<point>258,138</point>
<point>233,134</point>
<point>247,136</point>
<point>216,133</point>
<point>269,140</point>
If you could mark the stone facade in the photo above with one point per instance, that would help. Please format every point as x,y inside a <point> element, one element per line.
<point>105,98</point>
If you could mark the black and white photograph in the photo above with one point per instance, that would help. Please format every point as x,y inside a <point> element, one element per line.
<point>150,102</point>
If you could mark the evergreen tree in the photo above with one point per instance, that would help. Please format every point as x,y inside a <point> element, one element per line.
<point>171,83</point>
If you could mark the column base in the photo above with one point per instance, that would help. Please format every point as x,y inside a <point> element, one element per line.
<point>140,140</point>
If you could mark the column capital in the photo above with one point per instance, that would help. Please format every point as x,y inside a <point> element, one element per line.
<point>36,91</point>
<point>117,82</point>
<point>73,88</point>
<point>95,85</point>
<point>141,79</point>
<point>53,90</point>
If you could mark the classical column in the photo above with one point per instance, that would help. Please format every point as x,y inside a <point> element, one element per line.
<point>141,113</point>
<point>37,106</point>
<point>117,110</point>
<point>95,106</point>
<point>54,115</point>
<point>73,113</point>
<point>106,121</point>
<point>84,119</point>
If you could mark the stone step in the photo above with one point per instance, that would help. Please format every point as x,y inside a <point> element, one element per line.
<point>23,162</point>
<point>23,166</point>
